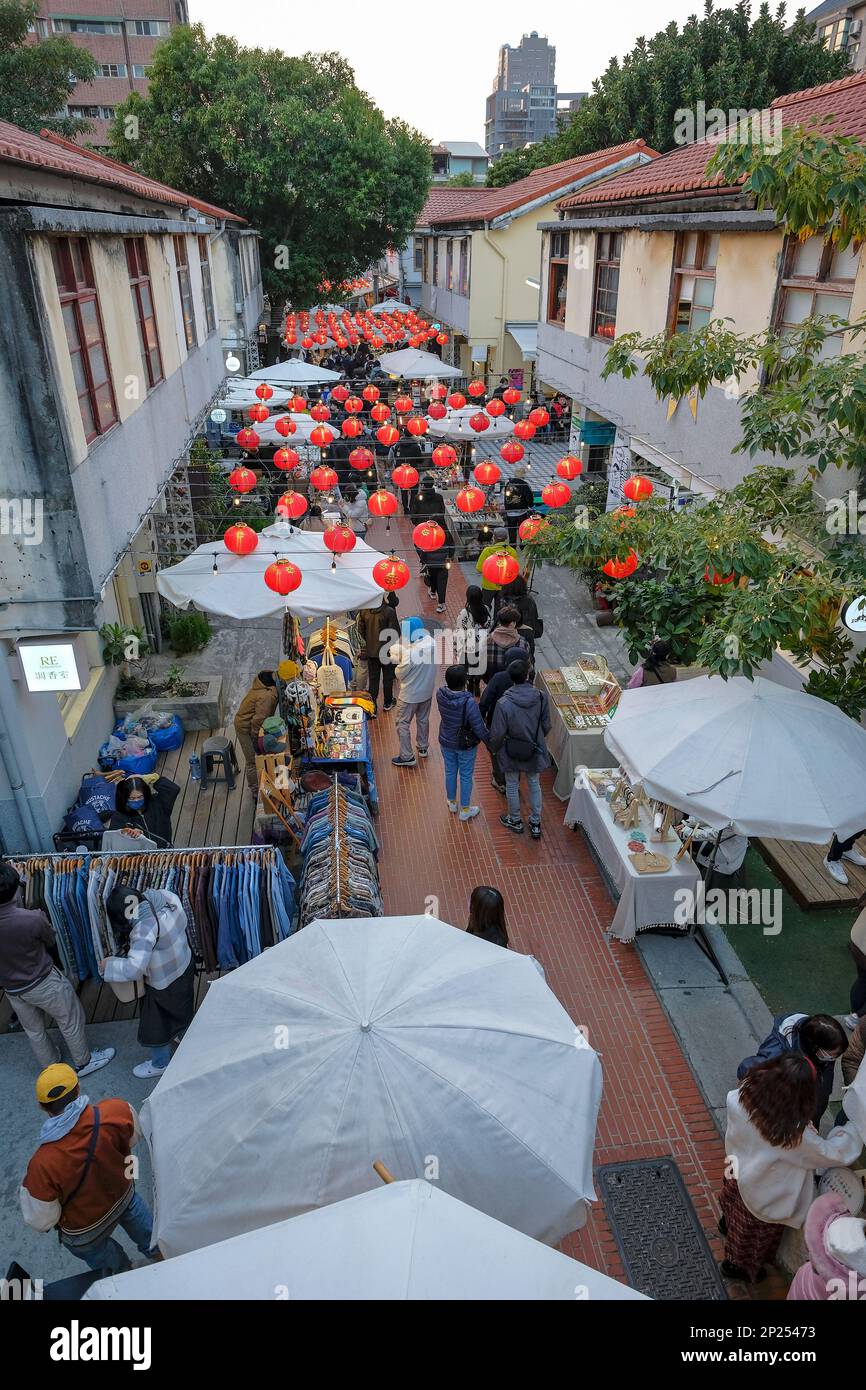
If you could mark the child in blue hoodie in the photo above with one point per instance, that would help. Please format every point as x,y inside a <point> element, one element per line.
<point>461,729</point>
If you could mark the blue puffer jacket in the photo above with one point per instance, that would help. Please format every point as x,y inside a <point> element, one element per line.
<point>455,707</point>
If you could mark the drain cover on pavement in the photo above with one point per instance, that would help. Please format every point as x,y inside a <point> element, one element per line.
<point>663,1248</point>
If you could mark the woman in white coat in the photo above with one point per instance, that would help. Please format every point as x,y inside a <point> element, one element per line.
<point>772,1151</point>
<point>153,952</point>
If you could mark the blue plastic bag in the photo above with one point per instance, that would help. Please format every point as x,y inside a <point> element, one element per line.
<point>169,737</point>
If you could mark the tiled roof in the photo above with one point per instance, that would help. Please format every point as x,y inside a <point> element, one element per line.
<point>58,155</point>
<point>477,204</point>
<point>682,170</point>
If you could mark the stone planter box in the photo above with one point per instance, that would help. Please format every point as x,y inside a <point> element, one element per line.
<point>194,711</point>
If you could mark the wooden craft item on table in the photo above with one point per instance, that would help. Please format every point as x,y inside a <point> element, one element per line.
<point>685,847</point>
<point>663,817</point>
<point>648,862</point>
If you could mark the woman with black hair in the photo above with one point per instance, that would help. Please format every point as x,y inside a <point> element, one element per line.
<point>487,915</point>
<point>145,807</point>
<point>474,622</point>
<point>656,667</point>
<point>820,1038</point>
<point>152,948</point>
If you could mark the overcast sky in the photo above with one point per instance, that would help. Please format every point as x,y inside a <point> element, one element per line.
<point>435,66</point>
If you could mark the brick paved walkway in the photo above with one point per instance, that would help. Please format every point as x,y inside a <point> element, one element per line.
<point>557,909</point>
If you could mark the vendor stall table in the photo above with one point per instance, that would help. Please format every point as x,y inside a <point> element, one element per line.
<point>362,760</point>
<point>464,527</point>
<point>645,900</point>
<point>571,748</point>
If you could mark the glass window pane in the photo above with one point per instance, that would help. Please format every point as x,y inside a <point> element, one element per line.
<point>711,251</point>
<point>71,324</point>
<point>807,257</point>
<point>77,263</point>
<point>690,248</point>
<point>104,406</point>
<point>704,291</point>
<point>700,318</point>
<point>97,365</point>
<point>839,304</point>
<point>146,302</point>
<point>687,288</point>
<point>78,372</point>
<point>87,419</point>
<point>832,346</point>
<point>796,306</point>
<point>90,321</point>
<point>844,263</point>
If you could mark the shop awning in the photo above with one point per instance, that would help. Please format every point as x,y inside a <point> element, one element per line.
<point>525,336</point>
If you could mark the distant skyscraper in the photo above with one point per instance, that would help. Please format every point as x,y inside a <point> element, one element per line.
<point>522,108</point>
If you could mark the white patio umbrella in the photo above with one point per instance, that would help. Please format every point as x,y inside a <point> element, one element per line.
<point>238,589</point>
<point>391,306</point>
<point>455,425</point>
<point>397,1038</point>
<point>752,755</point>
<point>294,373</point>
<point>406,1241</point>
<point>413,365</point>
<point>241,394</point>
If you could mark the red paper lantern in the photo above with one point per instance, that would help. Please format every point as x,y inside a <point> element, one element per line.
<point>354,405</point>
<point>339,539</point>
<point>321,337</point>
<point>291,505</point>
<point>404,476</point>
<point>511,395</point>
<point>637,487</point>
<point>442,339</point>
<point>524,429</point>
<point>530,528</point>
<point>380,413</point>
<point>242,479</point>
<point>387,435</point>
<point>241,539</point>
<point>320,412</point>
<point>371,394</point>
<point>436,410</point>
<point>285,426</point>
<point>297,404</point>
<point>286,458</point>
<point>457,400</point>
<point>511,451</point>
<point>621,569</point>
<point>500,568</point>
<point>569,467</point>
<point>476,388</point>
<point>362,459</point>
<point>283,577</point>
<point>438,392</point>
<point>340,394</point>
<point>352,427</point>
<point>247,439</point>
<point>539,417</point>
<point>444,456</point>
<point>487,473</point>
<point>307,342</point>
<point>321,436</point>
<point>382,503</point>
<point>264,391</point>
<point>258,414</point>
<point>496,407</point>
<point>470,499</point>
<point>323,478</point>
<point>555,495</point>
<point>715,578</point>
<point>391,573</point>
<point>479,422</point>
<point>416,424</point>
<point>403,405</point>
<point>428,536</point>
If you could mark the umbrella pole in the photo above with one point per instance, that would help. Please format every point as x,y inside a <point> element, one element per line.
<point>382,1171</point>
<point>697,929</point>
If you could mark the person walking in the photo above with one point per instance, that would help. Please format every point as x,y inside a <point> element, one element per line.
<point>521,721</point>
<point>498,546</point>
<point>461,729</point>
<point>844,849</point>
<point>518,499</point>
<point>379,631</point>
<point>354,509</point>
<point>259,703</point>
<point>39,995</point>
<point>150,931</point>
<point>78,1180</point>
<point>437,566</point>
<point>414,658</point>
<point>822,1041</point>
<point>474,622</point>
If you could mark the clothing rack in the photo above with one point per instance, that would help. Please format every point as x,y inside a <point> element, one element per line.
<point>118,854</point>
<point>337,836</point>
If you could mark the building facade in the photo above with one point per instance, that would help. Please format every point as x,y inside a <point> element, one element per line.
<point>121,35</point>
<point>481,258</point>
<point>452,157</point>
<point>127,297</point>
<point>660,250</point>
<point>525,103</point>
<point>841,27</point>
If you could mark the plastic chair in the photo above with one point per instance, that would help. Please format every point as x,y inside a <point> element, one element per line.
<point>219,750</point>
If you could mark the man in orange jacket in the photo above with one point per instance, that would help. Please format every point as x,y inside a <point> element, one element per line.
<point>81,1178</point>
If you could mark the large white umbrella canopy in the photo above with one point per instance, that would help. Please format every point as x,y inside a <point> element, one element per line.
<point>455,425</point>
<point>241,394</point>
<point>238,589</point>
<point>411,364</point>
<point>391,306</point>
<point>406,1241</point>
<point>304,426</point>
<point>295,373</point>
<point>398,1039</point>
<point>753,755</point>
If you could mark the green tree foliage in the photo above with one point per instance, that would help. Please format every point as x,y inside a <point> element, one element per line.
<point>722,58</point>
<point>289,143</point>
<point>37,80</point>
<point>516,164</point>
<point>464,180</point>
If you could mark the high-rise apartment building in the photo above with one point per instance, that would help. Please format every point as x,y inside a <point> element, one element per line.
<point>523,106</point>
<point>121,35</point>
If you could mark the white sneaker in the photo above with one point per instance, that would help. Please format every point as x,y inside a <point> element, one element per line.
<point>467,812</point>
<point>98,1060</point>
<point>855,857</point>
<point>452,806</point>
<point>835,870</point>
<point>145,1070</point>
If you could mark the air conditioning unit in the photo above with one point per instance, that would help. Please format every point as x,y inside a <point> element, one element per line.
<point>855,29</point>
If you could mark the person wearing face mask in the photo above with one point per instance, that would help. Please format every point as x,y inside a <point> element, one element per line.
<point>819,1037</point>
<point>138,806</point>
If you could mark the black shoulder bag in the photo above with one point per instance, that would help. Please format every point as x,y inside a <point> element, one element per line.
<point>465,737</point>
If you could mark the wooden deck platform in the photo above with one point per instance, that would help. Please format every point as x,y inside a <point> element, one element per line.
<point>801,869</point>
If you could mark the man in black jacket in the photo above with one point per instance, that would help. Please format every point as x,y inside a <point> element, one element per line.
<point>502,681</point>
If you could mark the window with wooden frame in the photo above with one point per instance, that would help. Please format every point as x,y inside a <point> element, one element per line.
<point>605,295</point>
<point>817,281</point>
<point>463,272</point>
<point>417,253</point>
<point>85,336</point>
<point>449,264</point>
<point>694,281</point>
<point>557,290</point>
<point>185,288</point>
<point>206,284</point>
<point>435,260</point>
<point>142,302</point>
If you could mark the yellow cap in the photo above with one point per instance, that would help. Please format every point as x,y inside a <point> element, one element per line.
<point>288,670</point>
<point>55,1082</point>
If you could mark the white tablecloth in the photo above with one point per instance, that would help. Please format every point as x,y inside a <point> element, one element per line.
<point>572,748</point>
<point>645,900</point>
